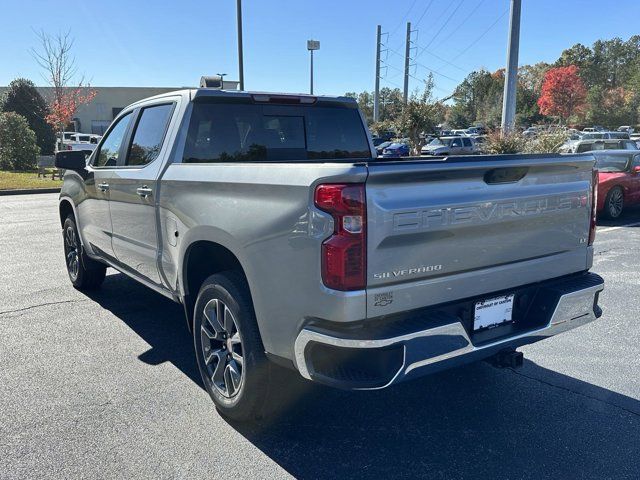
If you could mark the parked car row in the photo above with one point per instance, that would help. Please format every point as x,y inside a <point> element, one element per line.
<point>587,145</point>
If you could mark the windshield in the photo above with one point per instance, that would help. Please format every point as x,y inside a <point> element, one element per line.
<point>595,136</point>
<point>612,163</point>
<point>440,142</point>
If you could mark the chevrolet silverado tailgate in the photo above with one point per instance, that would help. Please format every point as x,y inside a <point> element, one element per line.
<point>443,230</point>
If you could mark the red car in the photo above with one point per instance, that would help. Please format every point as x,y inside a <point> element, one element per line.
<point>618,180</point>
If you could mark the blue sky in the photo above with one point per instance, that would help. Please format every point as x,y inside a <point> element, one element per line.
<point>173,43</point>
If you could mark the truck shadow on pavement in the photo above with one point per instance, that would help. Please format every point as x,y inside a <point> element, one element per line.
<point>470,422</point>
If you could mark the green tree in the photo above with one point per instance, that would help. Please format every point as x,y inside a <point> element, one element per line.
<point>22,98</point>
<point>531,77</point>
<point>18,148</point>
<point>420,114</point>
<point>365,104</point>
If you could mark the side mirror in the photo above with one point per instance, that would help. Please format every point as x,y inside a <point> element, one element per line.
<point>71,160</point>
<point>636,169</point>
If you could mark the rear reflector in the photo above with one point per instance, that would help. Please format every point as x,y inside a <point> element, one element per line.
<point>344,252</point>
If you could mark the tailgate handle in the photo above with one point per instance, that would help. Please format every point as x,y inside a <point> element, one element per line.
<point>505,175</point>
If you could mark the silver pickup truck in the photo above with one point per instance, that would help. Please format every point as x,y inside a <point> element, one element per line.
<point>291,245</point>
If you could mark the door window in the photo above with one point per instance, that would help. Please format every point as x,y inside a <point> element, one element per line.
<point>149,134</point>
<point>109,150</point>
<point>456,143</point>
<point>467,142</point>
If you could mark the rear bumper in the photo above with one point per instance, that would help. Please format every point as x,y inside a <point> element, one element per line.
<point>436,339</point>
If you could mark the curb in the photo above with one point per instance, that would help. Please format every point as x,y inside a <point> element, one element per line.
<point>29,191</point>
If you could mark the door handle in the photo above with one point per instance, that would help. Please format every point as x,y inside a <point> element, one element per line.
<point>144,191</point>
<point>103,187</point>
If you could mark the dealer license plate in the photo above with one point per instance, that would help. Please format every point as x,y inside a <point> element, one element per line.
<point>493,312</point>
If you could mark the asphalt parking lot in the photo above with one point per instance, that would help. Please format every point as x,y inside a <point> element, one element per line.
<point>106,386</point>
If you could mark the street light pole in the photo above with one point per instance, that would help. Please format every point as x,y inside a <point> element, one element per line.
<point>240,59</point>
<point>511,75</point>
<point>311,46</point>
<point>311,75</point>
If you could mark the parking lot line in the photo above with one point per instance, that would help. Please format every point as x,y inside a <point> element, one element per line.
<point>617,227</point>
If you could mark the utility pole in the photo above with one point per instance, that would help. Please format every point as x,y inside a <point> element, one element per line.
<point>240,59</point>
<point>311,46</point>
<point>407,53</point>
<point>511,75</point>
<point>376,92</point>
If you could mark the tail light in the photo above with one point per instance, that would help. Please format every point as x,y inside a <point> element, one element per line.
<point>594,205</point>
<point>69,147</point>
<point>344,253</point>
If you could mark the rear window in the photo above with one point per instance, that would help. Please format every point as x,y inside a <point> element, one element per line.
<point>246,132</point>
<point>612,163</point>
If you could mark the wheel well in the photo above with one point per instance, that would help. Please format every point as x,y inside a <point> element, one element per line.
<point>65,210</point>
<point>613,188</point>
<point>202,260</point>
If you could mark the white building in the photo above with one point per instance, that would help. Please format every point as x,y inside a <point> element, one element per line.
<point>95,116</point>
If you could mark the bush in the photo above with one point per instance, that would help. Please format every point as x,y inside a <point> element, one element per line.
<point>546,142</point>
<point>23,98</point>
<point>508,143</point>
<point>18,148</point>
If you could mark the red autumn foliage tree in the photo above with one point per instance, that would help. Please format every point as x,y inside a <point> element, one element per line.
<point>66,102</point>
<point>55,58</point>
<point>563,93</point>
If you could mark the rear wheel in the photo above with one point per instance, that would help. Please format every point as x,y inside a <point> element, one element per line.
<point>84,272</point>
<point>614,203</point>
<point>231,358</point>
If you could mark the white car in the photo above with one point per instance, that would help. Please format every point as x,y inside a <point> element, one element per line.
<point>444,146</point>
<point>79,141</point>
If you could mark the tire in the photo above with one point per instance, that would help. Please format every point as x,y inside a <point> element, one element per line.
<point>84,272</point>
<point>235,370</point>
<point>614,203</point>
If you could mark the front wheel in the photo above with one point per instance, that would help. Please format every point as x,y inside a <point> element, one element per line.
<point>614,203</point>
<point>84,273</point>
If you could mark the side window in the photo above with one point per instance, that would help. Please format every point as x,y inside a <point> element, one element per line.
<point>636,161</point>
<point>467,142</point>
<point>149,134</point>
<point>456,142</point>
<point>108,154</point>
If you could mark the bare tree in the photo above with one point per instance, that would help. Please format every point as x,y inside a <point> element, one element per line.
<point>59,65</point>
<point>56,60</point>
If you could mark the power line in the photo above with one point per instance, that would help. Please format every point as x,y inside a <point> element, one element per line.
<point>442,59</point>
<point>393,67</point>
<point>424,66</point>
<point>404,17</point>
<point>442,27</point>
<point>424,13</point>
<point>419,19</point>
<point>481,36</point>
<point>474,10</point>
